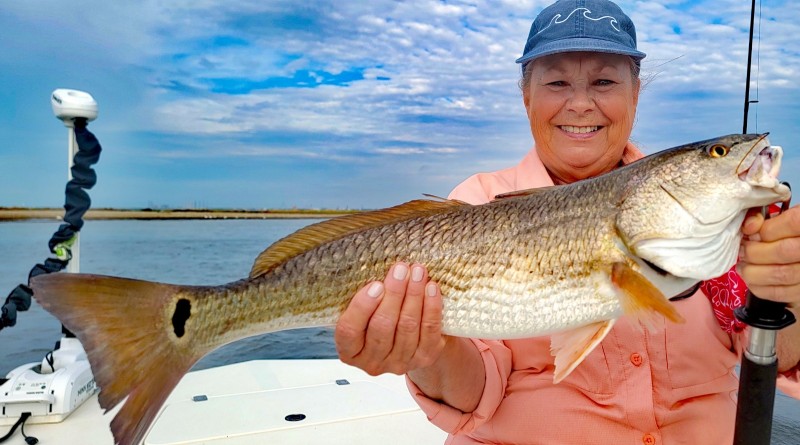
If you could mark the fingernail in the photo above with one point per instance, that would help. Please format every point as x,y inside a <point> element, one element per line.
<point>375,290</point>
<point>400,272</point>
<point>416,273</point>
<point>430,290</point>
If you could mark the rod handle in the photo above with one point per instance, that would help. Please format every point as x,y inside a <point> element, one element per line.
<point>754,425</point>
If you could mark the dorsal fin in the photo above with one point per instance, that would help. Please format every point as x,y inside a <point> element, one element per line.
<point>439,198</point>
<point>525,192</point>
<point>317,234</point>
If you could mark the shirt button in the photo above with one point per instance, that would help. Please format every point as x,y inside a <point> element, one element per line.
<point>649,439</point>
<point>636,359</point>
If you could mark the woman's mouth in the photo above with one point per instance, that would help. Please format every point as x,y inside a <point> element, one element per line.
<point>579,130</point>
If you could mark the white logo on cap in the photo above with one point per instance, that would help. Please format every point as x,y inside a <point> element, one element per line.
<point>556,19</point>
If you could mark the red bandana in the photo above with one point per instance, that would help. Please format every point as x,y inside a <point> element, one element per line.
<point>726,293</point>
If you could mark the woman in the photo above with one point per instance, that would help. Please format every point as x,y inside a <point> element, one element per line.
<point>674,385</point>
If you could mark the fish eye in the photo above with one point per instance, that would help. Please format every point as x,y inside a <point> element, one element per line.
<point>718,151</point>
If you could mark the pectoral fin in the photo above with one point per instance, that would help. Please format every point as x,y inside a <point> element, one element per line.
<point>571,347</point>
<point>640,298</point>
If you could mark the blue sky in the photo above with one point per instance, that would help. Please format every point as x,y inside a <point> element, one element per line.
<point>277,104</point>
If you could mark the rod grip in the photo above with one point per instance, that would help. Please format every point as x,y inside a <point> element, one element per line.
<point>757,393</point>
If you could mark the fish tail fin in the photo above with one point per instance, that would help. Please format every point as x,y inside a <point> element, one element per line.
<point>640,298</point>
<point>119,324</point>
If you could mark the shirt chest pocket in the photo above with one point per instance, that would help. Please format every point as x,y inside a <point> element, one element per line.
<point>698,351</point>
<point>593,375</point>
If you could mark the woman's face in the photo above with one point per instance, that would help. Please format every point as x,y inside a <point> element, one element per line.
<point>581,108</point>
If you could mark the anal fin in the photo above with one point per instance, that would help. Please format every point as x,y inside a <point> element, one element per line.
<point>571,347</point>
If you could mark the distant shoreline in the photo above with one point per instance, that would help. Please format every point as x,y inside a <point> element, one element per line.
<point>22,214</point>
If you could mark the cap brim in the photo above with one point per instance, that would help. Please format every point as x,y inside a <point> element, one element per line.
<point>580,44</point>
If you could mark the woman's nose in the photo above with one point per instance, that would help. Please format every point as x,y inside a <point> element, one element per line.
<point>580,101</point>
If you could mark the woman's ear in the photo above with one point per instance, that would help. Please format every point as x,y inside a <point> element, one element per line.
<point>526,98</point>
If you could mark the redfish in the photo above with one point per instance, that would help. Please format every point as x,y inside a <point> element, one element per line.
<point>565,261</point>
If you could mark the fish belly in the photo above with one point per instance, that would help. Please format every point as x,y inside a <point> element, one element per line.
<point>535,308</point>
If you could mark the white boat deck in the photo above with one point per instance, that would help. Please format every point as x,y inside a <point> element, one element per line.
<point>247,403</point>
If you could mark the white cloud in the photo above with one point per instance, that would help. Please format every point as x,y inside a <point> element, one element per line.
<point>439,79</point>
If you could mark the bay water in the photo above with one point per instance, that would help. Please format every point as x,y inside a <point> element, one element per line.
<point>205,252</point>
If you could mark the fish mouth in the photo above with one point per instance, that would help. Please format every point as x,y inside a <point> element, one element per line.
<point>759,168</point>
<point>764,168</point>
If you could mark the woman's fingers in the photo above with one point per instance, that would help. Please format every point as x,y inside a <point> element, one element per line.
<point>769,260</point>
<point>383,324</point>
<point>783,226</point>
<point>393,326</point>
<point>431,340</point>
<point>406,338</point>
<point>350,332</point>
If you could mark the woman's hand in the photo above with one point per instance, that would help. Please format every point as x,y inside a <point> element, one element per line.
<point>769,260</point>
<point>393,326</point>
<point>396,326</point>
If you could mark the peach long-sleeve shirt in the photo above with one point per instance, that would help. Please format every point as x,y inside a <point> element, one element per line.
<point>673,385</point>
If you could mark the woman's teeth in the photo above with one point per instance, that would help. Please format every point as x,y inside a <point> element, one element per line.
<point>571,129</point>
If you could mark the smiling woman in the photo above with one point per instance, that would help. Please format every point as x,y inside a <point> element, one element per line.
<point>581,107</point>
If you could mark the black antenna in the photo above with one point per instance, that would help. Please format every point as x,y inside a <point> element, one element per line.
<point>749,61</point>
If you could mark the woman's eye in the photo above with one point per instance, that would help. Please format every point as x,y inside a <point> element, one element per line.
<point>604,82</point>
<point>557,83</point>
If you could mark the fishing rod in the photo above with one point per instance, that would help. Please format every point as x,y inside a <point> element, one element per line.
<point>759,369</point>
<point>749,64</point>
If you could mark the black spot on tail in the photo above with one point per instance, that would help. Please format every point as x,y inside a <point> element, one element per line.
<point>183,310</point>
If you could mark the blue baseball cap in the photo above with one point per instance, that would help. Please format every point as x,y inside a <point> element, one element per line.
<point>581,25</point>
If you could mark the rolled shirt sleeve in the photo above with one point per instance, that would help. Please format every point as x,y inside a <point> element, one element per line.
<point>497,366</point>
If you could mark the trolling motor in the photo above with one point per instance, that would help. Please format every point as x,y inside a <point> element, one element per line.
<point>759,370</point>
<point>73,107</point>
<point>49,391</point>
